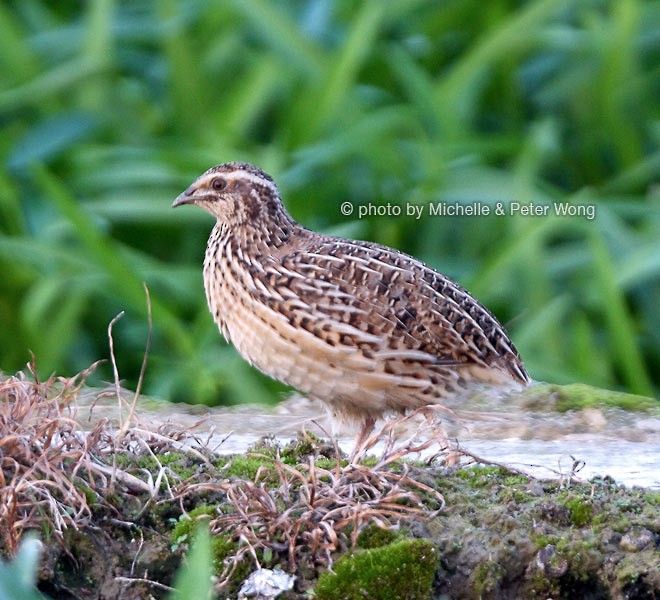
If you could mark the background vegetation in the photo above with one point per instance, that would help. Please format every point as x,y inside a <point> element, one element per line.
<point>110,108</point>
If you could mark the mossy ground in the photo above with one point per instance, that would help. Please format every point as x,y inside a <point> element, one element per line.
<point>401,569</point>
<point>578,396</point>
<point>501,535</point>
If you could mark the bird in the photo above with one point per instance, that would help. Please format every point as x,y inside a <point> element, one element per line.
<point>363,328</point>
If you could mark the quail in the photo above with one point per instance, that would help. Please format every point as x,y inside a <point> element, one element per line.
<point>364,328</point>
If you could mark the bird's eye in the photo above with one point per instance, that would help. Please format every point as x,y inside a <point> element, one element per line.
<point>219,183</point>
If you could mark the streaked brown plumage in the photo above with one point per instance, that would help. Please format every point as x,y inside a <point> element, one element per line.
<point>362,327</point>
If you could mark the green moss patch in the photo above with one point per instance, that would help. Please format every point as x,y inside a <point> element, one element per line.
<point>187,524</point>
<point>260,458</point>
<point>178,464</point>
<point>580,510</point>
<point>403,569</point>
<point>578,396</point>
<point>373,536</point>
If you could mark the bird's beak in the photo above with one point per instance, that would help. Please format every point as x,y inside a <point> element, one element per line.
<point>187,197</point>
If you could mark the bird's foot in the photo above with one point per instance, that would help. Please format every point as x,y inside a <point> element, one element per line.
<point>362,439</point>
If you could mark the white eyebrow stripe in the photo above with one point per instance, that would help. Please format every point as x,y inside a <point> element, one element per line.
<point>240,174</point>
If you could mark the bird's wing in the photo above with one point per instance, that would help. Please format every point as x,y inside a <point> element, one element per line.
<point>386,304</point>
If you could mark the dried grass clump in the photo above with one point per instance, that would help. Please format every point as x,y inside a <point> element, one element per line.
<point>51,468</point>
<point>308,512</point>
<point>43,456</point>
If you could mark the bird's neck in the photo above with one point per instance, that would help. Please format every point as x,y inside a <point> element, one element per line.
<point>260,237</point>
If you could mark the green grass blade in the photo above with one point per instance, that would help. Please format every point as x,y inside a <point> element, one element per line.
<point>620,323</point>
<point>345,65</point>
<point>282,33</point>
<point>456,93</point>
<point>17,61</point>
<point>194,579</point>
<point>106,255</point>
<point>59,79</point>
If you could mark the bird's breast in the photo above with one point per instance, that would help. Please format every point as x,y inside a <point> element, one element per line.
<point>265,337</point>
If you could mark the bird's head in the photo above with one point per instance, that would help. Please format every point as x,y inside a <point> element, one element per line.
<point>235,193</point>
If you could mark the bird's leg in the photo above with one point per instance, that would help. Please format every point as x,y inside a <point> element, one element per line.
<point>363,435</point>
<point>452,457</point>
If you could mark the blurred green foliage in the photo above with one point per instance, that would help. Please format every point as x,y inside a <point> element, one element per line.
<point>194,578</point>
<point>110,108</point>
<point>18,577</point>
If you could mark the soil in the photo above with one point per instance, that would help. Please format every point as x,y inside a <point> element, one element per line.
<point>500,535</point>
<point>115,503</point>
